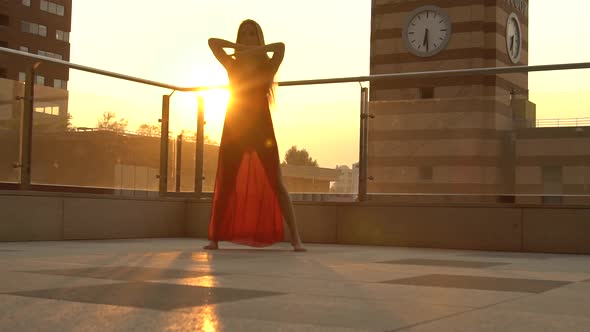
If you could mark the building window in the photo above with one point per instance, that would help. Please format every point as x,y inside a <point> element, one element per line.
<point>40,80</point>
<point>59,84</point>
<point>42,30</point>
<point>52,7</point>
<point>27,3</point>
<point>4,20</point>
<point>30,27</point>
<point>50,54</point>
<point>50,110</point>
<point>23,48</point>
<point>62,35</point>
<point>34,28</point>
<point>427,93</point>
<point>22,76</point>
<point>552,184</point>
<point>425,173</point>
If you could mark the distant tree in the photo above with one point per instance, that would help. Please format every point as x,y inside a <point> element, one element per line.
<point>148,130</point>
<point>188,135</point>
<point>193,136</point>
<point>69,125</point>
<point>109,122</point>
<point>210,141</point>
<point>293,156</point>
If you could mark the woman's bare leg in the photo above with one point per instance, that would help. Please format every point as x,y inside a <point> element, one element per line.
<point>228,178</point>
<point>289,215</point>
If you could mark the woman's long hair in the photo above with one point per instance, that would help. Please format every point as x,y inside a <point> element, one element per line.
<point>262,60</point>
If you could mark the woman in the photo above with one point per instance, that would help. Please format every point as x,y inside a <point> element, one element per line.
<point>250,199</point>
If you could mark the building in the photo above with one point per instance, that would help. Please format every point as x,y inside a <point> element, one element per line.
<point>463,134</point>
<point>307,179</point>
<point>553,165</point>
<point>447,134</point>
<point>40,27</point>
<point>111,160</point>
<point>347,181</point>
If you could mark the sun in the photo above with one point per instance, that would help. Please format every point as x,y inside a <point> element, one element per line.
<point>183,108</point>
<point>215,102</point>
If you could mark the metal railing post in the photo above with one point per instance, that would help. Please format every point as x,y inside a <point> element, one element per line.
<point>178,161</point>
<point>363,140</point>
<point>200,146</point>
<point>164,128</point>
<point>26,129</point>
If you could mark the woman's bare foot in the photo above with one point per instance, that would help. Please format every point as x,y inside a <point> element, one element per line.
<point>211,246</point>
<point>298,247</point>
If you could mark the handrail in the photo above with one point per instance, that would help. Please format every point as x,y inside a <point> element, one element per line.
<point>92,70</point>
<point>350,79</point>
<point>450,72</point>
<point>563,122</point>
<point>25,163</point>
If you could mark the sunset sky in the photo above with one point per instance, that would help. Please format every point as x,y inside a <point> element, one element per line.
<point>167,41</point>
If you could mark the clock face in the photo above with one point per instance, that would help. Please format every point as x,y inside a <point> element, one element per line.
<point>513,38</point>
<point>427,31</point>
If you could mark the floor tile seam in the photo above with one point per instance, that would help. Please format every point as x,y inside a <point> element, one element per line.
<point>32,298</point>
<point>361,299</point>
<point>115,282</point>
<point>566,282</point>
<point>524,310</point>
<point>185,310</point>
<point>305,278</point>
<point>373,300</point>
<point>458,313</point>
<point>353,281</point>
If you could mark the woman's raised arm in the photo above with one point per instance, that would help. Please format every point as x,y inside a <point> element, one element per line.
<point>217,45</point>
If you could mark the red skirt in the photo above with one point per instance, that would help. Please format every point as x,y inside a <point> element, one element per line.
<point>246,207</point>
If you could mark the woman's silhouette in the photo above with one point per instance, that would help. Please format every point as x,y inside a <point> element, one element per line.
<point>250,199</point>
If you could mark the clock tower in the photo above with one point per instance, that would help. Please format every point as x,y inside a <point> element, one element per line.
<point>447,134</point>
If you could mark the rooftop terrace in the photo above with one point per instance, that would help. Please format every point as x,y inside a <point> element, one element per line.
<point>173,285</point>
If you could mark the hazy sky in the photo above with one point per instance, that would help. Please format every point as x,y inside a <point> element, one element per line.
<point>167,41</point>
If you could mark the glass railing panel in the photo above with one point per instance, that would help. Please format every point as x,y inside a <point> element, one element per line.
<point>317,133</point>
<point>11,105</point>
<point>97,132</point>
<point>514,138</point>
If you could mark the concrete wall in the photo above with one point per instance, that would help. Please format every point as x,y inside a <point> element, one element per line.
<point>42,216</point>
<point>559,230</point>
<point>516,227</point>
<point>498,227</point>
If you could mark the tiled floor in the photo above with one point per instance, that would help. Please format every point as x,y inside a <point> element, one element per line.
<point>445,263</point>
<point>173,285</point>
<point>481,283</point>
<point>131,273</point>
<point>158,296</point>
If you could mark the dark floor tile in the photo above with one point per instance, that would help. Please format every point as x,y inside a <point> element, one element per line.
<point>130,273</point>
<point>148,295</point>
<point>444,263</point>
<point>500,254</point>
<point>481,283</point>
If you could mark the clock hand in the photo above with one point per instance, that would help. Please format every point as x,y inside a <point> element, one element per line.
<point>425,43</point>
<point>512,44</point>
